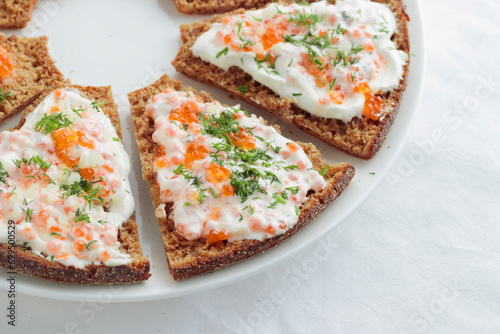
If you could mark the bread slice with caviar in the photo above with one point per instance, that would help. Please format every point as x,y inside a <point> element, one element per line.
<point>213,6</point>
<point>361,137</point>
<point>15,14</point>
<point>26,70</point>
<point>185,257</point>
<point>21,258</point>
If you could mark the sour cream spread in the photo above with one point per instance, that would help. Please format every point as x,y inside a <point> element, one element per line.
<point>229,176</point>
<point>64,183</point>
<point>330,59</point>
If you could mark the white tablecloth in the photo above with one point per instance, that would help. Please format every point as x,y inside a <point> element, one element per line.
<point>421,255</point>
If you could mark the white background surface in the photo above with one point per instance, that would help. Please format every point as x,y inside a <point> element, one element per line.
<point>421,255</point>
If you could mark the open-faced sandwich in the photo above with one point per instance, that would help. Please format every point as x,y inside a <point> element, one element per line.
<point>15,14</point>
<point>225,185</point>
<point>215,6</point>
<point>66,211</point>
<point>336,71</point>
<point>26,70</point>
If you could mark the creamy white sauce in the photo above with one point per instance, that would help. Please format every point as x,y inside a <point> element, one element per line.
<point>23,204</point>
<point>365,24</point>
<point>251,219</point>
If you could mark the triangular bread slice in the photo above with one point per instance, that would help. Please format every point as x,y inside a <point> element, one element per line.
<point>29,263</point>
<point>214,7</point>
<point>15,14</point>
<point>188,258</point>
<point>34,71</point>
<point>361,137</point>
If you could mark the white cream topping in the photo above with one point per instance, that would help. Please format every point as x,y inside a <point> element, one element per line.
<point>211,196</point>
<point>353,47</point>
<point>50,210</point>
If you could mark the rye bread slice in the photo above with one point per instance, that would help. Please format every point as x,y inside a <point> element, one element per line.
<point>188,258</point>
<point>361,137</point>
<point>15,14</point>
<point>30,264</point>
<point>216,6</point>
<point>34,71</point>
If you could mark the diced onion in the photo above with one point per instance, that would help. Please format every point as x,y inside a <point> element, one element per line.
<point>118,197</point>
<point>95,159</point>
<point>32,190</point>
<point>74,177</point>
<point>16,212</point>
<point>51,222</point>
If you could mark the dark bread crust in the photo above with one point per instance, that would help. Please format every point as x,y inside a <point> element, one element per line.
<point>15,14</point>
<point>361,137</point>
<point>30,264</point>
<point>188,258</point>
<point>34,71</point>
<point>216,6</point>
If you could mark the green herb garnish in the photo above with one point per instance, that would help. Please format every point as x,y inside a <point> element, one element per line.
<point>243,89</point>
<point>223,52</point>
<point>5,95</point>
<point>50,123</point>
<point>3,174</point>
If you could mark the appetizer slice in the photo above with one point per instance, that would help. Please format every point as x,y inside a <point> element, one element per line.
<point>66,211</point>
<point>26,70</point>
<point>335,71</point>
<point>225,185</point>
<point>216,6</point>
<point>15,14</point>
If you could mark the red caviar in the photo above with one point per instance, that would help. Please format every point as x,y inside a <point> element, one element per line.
<point>243,139</point>
<point>273,35</point>
<point>88,173</point>
<point>227,190</point>
<point>194,152</point>
<point>216,173</point>
<point>63,139</point>
<point>215,236</point>
<point>187,114</point>
<point>373,104</point>
<point>6,63</point>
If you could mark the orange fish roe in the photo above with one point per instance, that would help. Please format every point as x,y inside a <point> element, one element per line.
<point>227,190</point>
<point>243,139</point>
<point>6,63</point>
<point>63,256</point>
<point>160,151</point>
<point>79,245</point>
<point>273,35</point>
<point>59,94</point>
<point>87,173</point>
<point>63,139</point>
<point>216,173</point>
<point>27,169</point>
<point>162,162</point>
<point>105,191</point>
<point>108,168</point>
<point>373,104</point>
<point>194,152</point>
<point>336,96</point>
<point>255,224</point>
<point>270,230</point>
<point>84,141</point>
<point>215,236</point>
<point>106,256</point>
<point>293,146</point>
<point>187,114</point>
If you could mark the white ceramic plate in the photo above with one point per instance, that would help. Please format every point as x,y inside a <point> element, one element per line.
<point>130,43</point>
